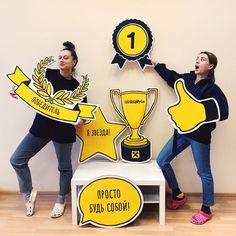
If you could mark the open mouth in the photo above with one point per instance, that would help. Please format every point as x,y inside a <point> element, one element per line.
<point>196,67</point>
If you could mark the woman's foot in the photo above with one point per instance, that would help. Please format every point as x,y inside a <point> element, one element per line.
<point>175,204</point>
<point>30,204</point>
<point>200,218</point>
<point>58,210</point>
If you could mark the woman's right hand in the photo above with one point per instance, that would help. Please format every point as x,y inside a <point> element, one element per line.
<point>152,61</point>
<point>13,93</point>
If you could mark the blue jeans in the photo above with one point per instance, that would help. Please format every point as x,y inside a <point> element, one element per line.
<point>31,145</point>
<point>201,154</point>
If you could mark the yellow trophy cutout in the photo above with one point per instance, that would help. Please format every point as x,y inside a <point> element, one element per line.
<point>134,148</point>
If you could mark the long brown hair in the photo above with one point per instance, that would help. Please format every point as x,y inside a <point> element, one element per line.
<point>212,60</point>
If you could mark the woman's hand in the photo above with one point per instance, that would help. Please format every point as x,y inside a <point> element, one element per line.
<point>13,93</point>
<point>152,61</point>
<point>80,124</point>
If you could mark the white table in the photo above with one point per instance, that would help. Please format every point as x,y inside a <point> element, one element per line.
<point>147,176</point>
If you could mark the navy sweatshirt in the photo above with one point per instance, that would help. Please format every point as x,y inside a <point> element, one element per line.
<point>205,88</point>
<point>45,127</point>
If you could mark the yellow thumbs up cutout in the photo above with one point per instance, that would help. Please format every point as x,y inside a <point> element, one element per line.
<point>188,113</point>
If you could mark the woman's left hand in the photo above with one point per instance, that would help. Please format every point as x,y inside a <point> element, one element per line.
<point>152,61</point>
<point>80,124</point>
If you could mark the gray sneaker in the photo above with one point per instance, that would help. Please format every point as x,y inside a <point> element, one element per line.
<point>30,205</point>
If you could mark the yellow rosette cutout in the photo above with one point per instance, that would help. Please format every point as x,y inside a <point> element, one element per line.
<point>113,202</point>
<point>132,41</point>
<point>38,93</point>
<point>99,137</point>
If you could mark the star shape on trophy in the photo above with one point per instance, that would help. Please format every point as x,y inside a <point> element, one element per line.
<point>99,137</point>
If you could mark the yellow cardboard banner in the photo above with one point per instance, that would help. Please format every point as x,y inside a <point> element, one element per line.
<point>132,41</point>
<point>113,202</point>
<point>188,113</point>
<point>134,111</point>
<point>102,134</point>
<point>45,106</point>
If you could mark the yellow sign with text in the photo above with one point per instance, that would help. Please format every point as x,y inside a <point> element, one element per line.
<point>102,134</point>
<point>113,202</point>
<point>38,93</point>
<point>135,109</point>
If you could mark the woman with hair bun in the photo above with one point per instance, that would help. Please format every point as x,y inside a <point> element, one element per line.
<point>44,130</point>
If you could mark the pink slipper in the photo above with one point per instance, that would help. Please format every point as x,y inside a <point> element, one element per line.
<point>174,204</point>
<point>200,218</point>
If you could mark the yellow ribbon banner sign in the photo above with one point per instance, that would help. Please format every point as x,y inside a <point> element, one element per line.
<point>46,107</point>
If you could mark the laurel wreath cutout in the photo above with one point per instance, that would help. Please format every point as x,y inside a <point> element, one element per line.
<point>61,97</point>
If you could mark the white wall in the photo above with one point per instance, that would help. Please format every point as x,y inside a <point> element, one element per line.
<point>31,30</point>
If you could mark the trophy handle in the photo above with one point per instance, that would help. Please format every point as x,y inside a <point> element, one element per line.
<point>155,91</point>
<point>112,93</point>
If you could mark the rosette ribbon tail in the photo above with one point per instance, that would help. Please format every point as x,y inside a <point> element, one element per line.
<point>145,61</point>
<point>119,60</point>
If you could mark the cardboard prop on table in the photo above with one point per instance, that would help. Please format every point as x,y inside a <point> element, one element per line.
<point>99,137</point>
<point>132,41</point>
<point>189,113</point>
<point>134,112</point>
<point>109,201</point>
<point>38,93</point>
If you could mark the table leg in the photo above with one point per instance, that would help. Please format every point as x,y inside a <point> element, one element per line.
<point>74,210</point>
<point>162,204</point>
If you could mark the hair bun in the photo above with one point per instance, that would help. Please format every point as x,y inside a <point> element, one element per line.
<point>69,45</point>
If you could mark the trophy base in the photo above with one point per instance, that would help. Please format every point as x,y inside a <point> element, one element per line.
<point>133,142</point>
<point>136,153</point>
